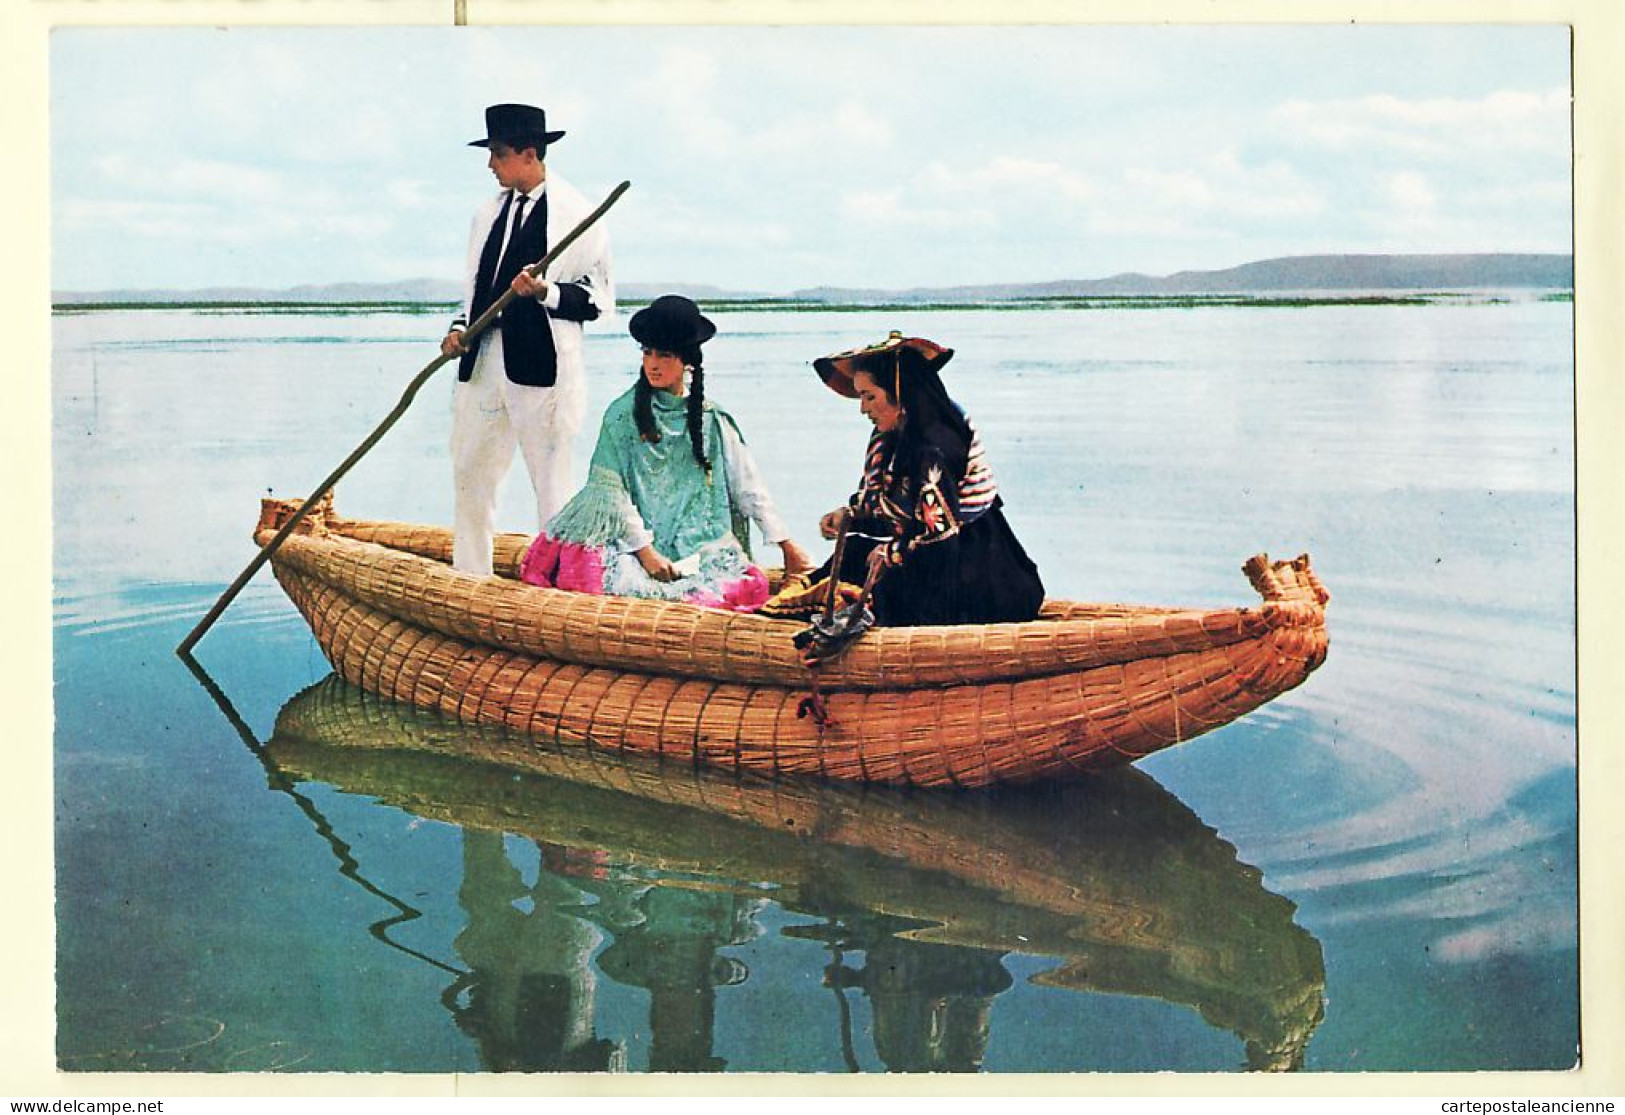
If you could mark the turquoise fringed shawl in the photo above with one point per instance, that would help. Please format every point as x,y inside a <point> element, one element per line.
<point>659,485</point>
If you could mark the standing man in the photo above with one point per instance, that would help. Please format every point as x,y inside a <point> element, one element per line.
<point>521,381</point>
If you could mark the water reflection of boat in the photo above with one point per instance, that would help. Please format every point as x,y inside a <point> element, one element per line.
<point>1112,877</point>
<point>1082,687</point>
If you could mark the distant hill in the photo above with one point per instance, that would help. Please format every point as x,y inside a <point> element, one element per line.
<point>1295,273</point>
<point>1288,273</point>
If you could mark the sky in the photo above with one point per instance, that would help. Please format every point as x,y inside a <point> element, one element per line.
<point>770,159</point>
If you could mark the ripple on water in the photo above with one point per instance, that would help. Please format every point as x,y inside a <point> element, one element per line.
<point>138,607</point>
<point>170,1042</point>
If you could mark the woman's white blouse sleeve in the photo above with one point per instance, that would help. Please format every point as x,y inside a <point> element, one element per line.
<point>746,485</point>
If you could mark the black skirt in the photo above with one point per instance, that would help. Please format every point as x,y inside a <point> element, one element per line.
<point>980,575</point>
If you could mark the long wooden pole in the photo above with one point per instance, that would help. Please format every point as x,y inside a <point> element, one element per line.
<point>479,326</point>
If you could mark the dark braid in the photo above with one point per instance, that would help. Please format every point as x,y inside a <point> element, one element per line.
<point>696,408</point>
<point>643,405</point>
<point>643,411</point>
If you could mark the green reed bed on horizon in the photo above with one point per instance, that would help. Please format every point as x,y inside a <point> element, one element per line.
<point>796,305</point>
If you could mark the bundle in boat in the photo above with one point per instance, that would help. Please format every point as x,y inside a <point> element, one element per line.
<point>1082,687</point>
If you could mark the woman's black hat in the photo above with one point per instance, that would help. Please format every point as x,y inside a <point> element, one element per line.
<point>671,322</point>
<point>517,126</point>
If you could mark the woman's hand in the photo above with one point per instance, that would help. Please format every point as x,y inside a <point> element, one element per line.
<point>526,287</point>
<point>656,564</point>
<point>830,525</point>
<point>878,561</point>
<point>796,560</point>
<point>453,345</point>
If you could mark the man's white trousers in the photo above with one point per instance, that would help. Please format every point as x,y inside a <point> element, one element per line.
<point>490,416</point>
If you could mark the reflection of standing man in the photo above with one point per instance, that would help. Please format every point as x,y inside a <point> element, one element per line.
<point>521,382</point>
<point>674,954</point>
<point>528,998</point>
<point>932,1003</point>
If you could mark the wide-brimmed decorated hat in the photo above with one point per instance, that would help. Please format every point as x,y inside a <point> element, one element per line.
<point>885,357</point>
<point>671,322</point>
<point>506,124</point>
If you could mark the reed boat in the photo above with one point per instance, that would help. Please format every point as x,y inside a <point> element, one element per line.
<point>1113,880</point>
<point>1080,688</point>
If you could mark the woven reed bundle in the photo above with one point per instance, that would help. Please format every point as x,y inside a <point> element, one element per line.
<point>1056,725</point>
<point>390,574</point>
<point>1117,879</point>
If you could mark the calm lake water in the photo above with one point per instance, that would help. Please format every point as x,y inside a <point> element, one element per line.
<point>265,870</point>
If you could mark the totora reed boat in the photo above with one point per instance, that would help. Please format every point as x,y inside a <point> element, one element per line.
<point>1083,687</point>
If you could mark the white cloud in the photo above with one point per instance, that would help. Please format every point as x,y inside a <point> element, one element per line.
<point>1505,109</point>
<point>861,126</point>
<point>851,133</point>
<point>1440,127</point>
<point>1546,196</point>
<point>679,93</point>
<point>1409,191</point>
<point>1069,211</point>
<point>235,201</point>
<point>409,194</point>
<point>231,182</point>
<point>1208,198</point>
<point>672,222</point>
<point>896,207</point>
<point>168,219</point>
<point>1176,189</point>
<point>872,205</point>
<point>275,68</point>
<point>1146,226</point>
<point>192,199</point>
<point>1006,175</point>
<point>1274,190</point>
<point>371,133</point>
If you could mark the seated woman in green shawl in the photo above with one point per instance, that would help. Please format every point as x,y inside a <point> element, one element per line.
<point>671,488</point>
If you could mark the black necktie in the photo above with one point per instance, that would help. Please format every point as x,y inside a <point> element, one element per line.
<point>513,230</point>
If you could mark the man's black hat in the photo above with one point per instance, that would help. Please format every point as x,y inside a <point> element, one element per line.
<point>517,126</point>
<point>669,323</point>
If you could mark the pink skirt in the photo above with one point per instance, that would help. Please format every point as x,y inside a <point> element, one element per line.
<point>578,567</point>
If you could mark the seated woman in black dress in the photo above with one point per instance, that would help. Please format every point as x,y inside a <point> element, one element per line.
<point>927,511</point>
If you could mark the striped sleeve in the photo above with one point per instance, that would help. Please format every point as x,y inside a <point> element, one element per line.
<point>977,489</point>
